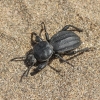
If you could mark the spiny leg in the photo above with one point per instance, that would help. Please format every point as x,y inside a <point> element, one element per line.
<point>68,26</point>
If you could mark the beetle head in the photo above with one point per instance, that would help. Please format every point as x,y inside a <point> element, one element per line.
<point>30,60</point>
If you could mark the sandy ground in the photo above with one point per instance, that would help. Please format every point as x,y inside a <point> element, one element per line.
<point>18,18</point>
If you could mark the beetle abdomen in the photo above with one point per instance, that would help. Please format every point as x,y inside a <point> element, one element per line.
<point>65,41</point>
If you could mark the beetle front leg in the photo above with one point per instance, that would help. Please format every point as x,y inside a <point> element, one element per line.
<point>25,73</point>
<point>39,68</point>
<point>37,39</point>
<point>68,26</point>
<point>44,28</point>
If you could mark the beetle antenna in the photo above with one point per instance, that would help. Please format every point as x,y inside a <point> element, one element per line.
<point>18,59</point>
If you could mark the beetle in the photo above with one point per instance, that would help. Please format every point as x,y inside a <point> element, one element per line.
<point>63,42</point>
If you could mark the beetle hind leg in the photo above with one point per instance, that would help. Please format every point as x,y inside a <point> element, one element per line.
<point>78,51</point>
<point>75,28</point>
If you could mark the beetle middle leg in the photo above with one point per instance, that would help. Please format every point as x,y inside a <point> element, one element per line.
<point>79,52</point>
<point>63,59</point>
<point>68,26</point>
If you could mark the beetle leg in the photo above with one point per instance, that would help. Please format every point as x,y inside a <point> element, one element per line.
<point>39,68</point>
<point>68,26</point>
<point>25,73</point>
<point>79,51</point>
<point>44,28</point>
<point>63,59</point>
<point>41,30</point>
<point>37,39</point>
<point>54,69</point>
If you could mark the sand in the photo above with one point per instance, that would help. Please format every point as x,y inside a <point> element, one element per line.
<point>19,18</point>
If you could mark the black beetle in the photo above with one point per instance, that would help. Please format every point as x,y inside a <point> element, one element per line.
<point>63,42</point>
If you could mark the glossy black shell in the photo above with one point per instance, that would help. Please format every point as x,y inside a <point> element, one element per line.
<point>65,41</point>
<point>43,51</point>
